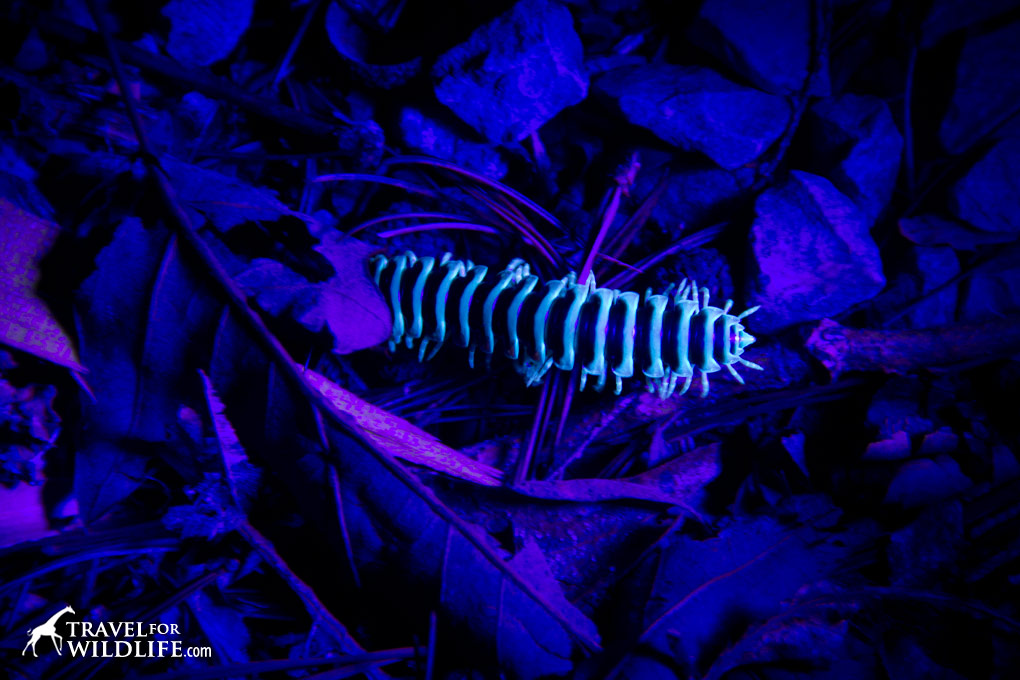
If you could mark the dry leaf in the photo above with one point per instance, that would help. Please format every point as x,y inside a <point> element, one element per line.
<point>25,321</point>
<point>402,439</point>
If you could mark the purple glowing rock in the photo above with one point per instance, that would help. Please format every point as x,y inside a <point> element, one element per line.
<point>988,196</point>
<point>923,482</point>
<point>923,269</point>
<point>695,196</point>
<point>945,17</point>
<point>434,138</point>
<point>935,230</point>
<point>935,266</point>
<point>858,137</point>
<point>896,407</point>
<point>813,253</point>
<point>768,44</point>
<point>992,294</point>
<point>696,109</point>
<point>987,89</point>
<point>514,73</point>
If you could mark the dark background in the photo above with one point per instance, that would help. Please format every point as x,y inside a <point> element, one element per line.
<point>192,190</point>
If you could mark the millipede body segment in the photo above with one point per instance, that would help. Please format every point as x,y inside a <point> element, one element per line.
<point>562,323</point>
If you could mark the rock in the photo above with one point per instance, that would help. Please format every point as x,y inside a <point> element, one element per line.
<point>927,550</point>
<point>769,46</point>
<point>859,46</point>
<point>935,266</point>
<point>352,43</point>
<point>514,73</point>
<point>896,407</point>
<point>794,445</point>
<point>696,109</point>
<point>1004,465</point>
<point>988,196</point>
<point>939,442</point>
<point>32,56</point>
<point>812,251</point>
<point>933,230</point>
<point>896,447</point>
<point>986,89</point>
<point>695,196</point>
<point>948,16</point>
<point>924,270</point>
<point>991,295</point>
<point>706,265</point>
<point>923,482</point>
<point>436,139</point>
<point>859,136</point>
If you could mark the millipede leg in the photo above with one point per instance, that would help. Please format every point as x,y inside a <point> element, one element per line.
<point>535,374</point>
<point>672,384</point>
<point>750,364</point>
<point>733,372</point>
<point>704,384</point>
<point>435,350</point>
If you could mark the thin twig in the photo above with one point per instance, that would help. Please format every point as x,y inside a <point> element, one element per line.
<point>619,241</point>
<point>284,69</point>
<point>607,220</point>
<point>317,611</point>
<point>431,658</point>
<point>694,240</point>
<point>338,499</point>
<point>492,184</point>
<point>406,216</point>
<point>439,226</point>
<point>568,399</point>
<point>524,463</point>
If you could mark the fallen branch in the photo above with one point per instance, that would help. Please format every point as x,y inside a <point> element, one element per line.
<point>843,349</point>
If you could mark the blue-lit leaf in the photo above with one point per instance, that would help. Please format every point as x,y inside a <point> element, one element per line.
<point>514,73</point>
<point>696,109</point>
<point>104,475</point>
<point>348,304</point>
<point>204,31</point>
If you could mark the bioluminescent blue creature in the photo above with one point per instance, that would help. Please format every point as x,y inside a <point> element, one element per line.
<point>562,323</point>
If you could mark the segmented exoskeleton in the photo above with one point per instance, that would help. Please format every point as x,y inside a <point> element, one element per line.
<point>562,323</point>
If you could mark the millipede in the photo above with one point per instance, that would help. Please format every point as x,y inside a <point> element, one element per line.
<point>562,323</point>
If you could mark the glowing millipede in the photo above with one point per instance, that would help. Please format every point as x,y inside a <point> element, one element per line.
<point>562,323</point>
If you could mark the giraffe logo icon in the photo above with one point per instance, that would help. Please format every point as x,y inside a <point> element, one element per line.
<point>48,629</point>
